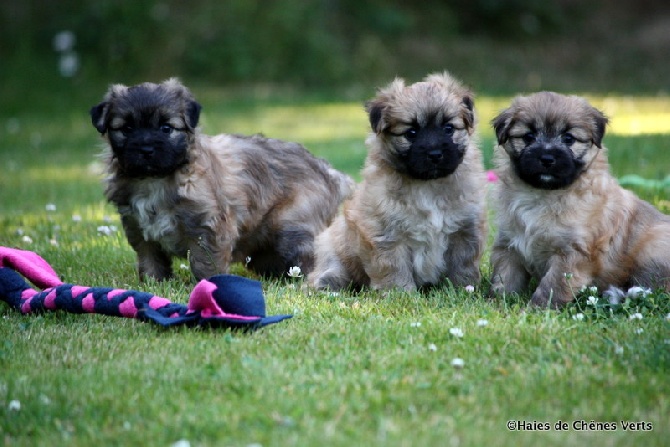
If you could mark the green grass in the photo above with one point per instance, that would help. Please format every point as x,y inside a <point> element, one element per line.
<point>348,369</point>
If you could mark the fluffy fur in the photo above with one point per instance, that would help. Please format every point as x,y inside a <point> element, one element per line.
<point>562,218</point>
<point>418,215</point>
<point>218,199</point>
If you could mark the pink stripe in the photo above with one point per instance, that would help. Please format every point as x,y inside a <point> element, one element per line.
<point>207,313</point>
<point>50,299</point>
<point>25,307</point>
<point>202,300</point>
<point>88,303</point>
<point>156,302</point>
<point>128,308</point>
<point>78,290</point>
<point>28,293</point>
<point>113,293</point>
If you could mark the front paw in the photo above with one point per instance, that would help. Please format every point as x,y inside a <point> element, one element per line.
<point>548,299</point>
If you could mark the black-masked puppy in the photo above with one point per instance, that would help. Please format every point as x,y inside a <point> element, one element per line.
<point>562,218</point>
<point>219,198</point>
<point>418,215</point>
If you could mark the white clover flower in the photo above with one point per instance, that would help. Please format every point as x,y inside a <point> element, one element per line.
<point>76,218</point>
<point>27,239</point>
<point>636,316</point>
<point>593,289</point>
<point>53,242</point>
<point>106,219</point>
<point>416,324</point>
<point>432,347</point>
<point>567,275</point>
<point>247,260</point>
<point>637,292</point>
<point>50,207</point>
<point>667,317</point>
<point>183,266</point>
<point>295,272</point>
<point>639,330</point>
<point>181,443</point>
<point>106,230</point>
<point>457,363</point>
<point>14,405</point>
<point>456,332</point>
<point>482,322</point>
<point>578,317</point>
<point>618,350</point>
<point>470,289</point>
<point>592,301</point>
<point>64,41</point>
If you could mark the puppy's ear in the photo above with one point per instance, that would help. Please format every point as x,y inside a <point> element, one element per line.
<point>469,115</point>
<point>375,109</point>
<point>193,113</point>
<point>599,124</point>
<point>501,125</point>
<point>99,116</point>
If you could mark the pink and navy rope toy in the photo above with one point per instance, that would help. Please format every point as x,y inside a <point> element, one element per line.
<point>225,301</point>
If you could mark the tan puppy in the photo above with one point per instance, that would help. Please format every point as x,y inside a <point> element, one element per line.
<point>218,199</point>
<point>562,218</point>
<point>418,216</point>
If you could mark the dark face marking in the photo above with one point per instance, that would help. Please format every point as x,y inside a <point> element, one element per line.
<point>149,128</point>
<point>432,152</point>
<point>547,162</point>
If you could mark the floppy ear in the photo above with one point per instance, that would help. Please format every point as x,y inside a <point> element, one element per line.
<point>375,109</point>
<point>193,113</point>
<point>469,116</point>
<point>600,123</point>
<point>501,125</point>
<point>99,116</point>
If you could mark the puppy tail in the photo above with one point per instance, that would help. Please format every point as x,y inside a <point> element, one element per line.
<point>345,183</point>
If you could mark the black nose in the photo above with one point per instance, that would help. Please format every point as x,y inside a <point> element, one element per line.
<point>435,156</point>
<point>146,150</point>
<point>547,160</point>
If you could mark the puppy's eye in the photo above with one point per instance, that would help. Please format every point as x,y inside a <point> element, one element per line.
<point>449,129</point>
<point>568,139</point>
<point>166,128</point>
<point>529,138</point>
<point>127,129</point>
<point>410,134</point>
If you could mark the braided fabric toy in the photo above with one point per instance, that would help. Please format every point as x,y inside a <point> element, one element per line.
<point>225,301</point>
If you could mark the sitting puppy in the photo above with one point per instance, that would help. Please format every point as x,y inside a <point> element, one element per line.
<point>418,216</point>
<point>562,218</point>
<point>218,199</point>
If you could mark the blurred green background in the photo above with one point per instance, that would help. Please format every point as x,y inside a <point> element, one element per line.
<point>342,48</point>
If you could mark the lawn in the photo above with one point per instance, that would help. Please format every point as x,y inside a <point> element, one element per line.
<point>347,369</point>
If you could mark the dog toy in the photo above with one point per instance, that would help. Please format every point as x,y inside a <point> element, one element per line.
<point>225,301</point>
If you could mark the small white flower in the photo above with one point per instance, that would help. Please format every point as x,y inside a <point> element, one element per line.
<point>181,443</point>
<point>53,242</point>
<point>457,363</point>
<point>593,289</point>
<point>416,324</point>
<point>456,332</point>
<point>19,232</point>
<point>482,322</point>
<point>567,275</point>
<point>45,399</point>
<point>64,41</point>
<point>334,294</point>
<point>247,260</point>
<point>27,239</point>
<point>636,316</point>
<point>618,350</point>
<point>14,405</point>
<point>578,317</point>
<point>295,272</point>
<point>470,289</point>
<point>667,317</point>
<point>127,426</point>
<point>592,301</point>
<point>432,347</point>
<point>582,288</point>
<point>639,330</point>
<point>76,218</point>
<point>106,230</point>
<point>50,207</point>
<point>183,266</point>
<point>637,292</point>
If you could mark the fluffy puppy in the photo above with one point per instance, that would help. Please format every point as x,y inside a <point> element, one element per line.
<point>562,218</point>
<point>219,198</point>
<point>418,215</point>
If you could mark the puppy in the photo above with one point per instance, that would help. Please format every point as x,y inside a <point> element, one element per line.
<point>418,215</point>
<point>218,199</point>
<point>562,218</point>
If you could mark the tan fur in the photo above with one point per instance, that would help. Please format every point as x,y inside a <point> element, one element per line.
<point>402,232</point>
<point>237,197</point>
<point>592,232</point>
